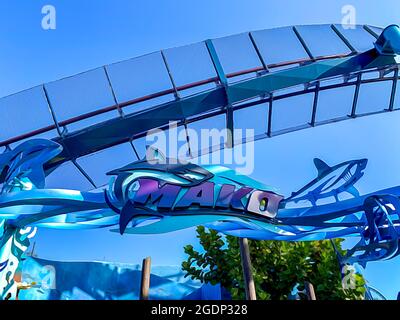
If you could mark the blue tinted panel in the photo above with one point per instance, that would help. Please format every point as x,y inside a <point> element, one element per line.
<point>139,77</point>
<point>396,104</point>
<point>254,117</point>
<point>24,112</point>
<point>334,103</point>
<point>279,45</point>
<point>376,30</point>
<point>374,97</point>
<point>236,53</point>
<point>80,94</point>
<point>291,112</point>
<point>322,40</point>
<point>207,133</point>
<point>358,37</point>
<point>190,64</point>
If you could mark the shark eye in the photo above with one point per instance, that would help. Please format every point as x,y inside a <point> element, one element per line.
<point>263,204</point>
<point>132,189</point>
<point>192,176</point>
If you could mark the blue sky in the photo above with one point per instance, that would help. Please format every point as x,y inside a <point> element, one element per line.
<point>94,33</point>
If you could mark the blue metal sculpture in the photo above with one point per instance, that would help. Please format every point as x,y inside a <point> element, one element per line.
<point>21,170</point>
<point>176,196</point>
<point>382,57</point>
<point>388,42</point>
<point>331,181</point>
<point>159,195</point>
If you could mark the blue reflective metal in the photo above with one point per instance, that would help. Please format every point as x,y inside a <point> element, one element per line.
<point>186,195</point>
<point>388,42</point>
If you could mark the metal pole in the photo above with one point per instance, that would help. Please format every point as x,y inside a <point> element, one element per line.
<point>33,250</point>
<point>310,290</point>
<point>145,283</point>
<point>246,266</point>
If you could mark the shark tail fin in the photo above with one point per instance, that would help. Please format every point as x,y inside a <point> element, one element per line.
<point>321,166</point>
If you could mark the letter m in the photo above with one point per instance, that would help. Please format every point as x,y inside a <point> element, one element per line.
<point>150,192</point>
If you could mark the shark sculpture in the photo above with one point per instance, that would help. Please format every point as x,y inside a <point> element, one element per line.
<point>163,189</point>
<point>21,170</point>
<point>331,181</point>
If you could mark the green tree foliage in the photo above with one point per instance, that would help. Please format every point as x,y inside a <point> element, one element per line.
<point>277,267</point>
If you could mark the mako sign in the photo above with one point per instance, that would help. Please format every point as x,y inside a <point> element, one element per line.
<point>167,196</point>
<point>151,188</point>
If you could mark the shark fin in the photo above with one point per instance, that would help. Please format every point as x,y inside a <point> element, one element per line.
<point>153,154</point>
<point>38,178</point>
<point>353,191</point>
<point>127,213</point>
<point>321,166</point>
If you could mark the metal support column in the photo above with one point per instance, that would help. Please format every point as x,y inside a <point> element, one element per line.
<point>246,265</point>
<point>224,83</point>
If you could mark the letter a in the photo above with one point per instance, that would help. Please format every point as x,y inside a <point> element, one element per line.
<point>49,20</point>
